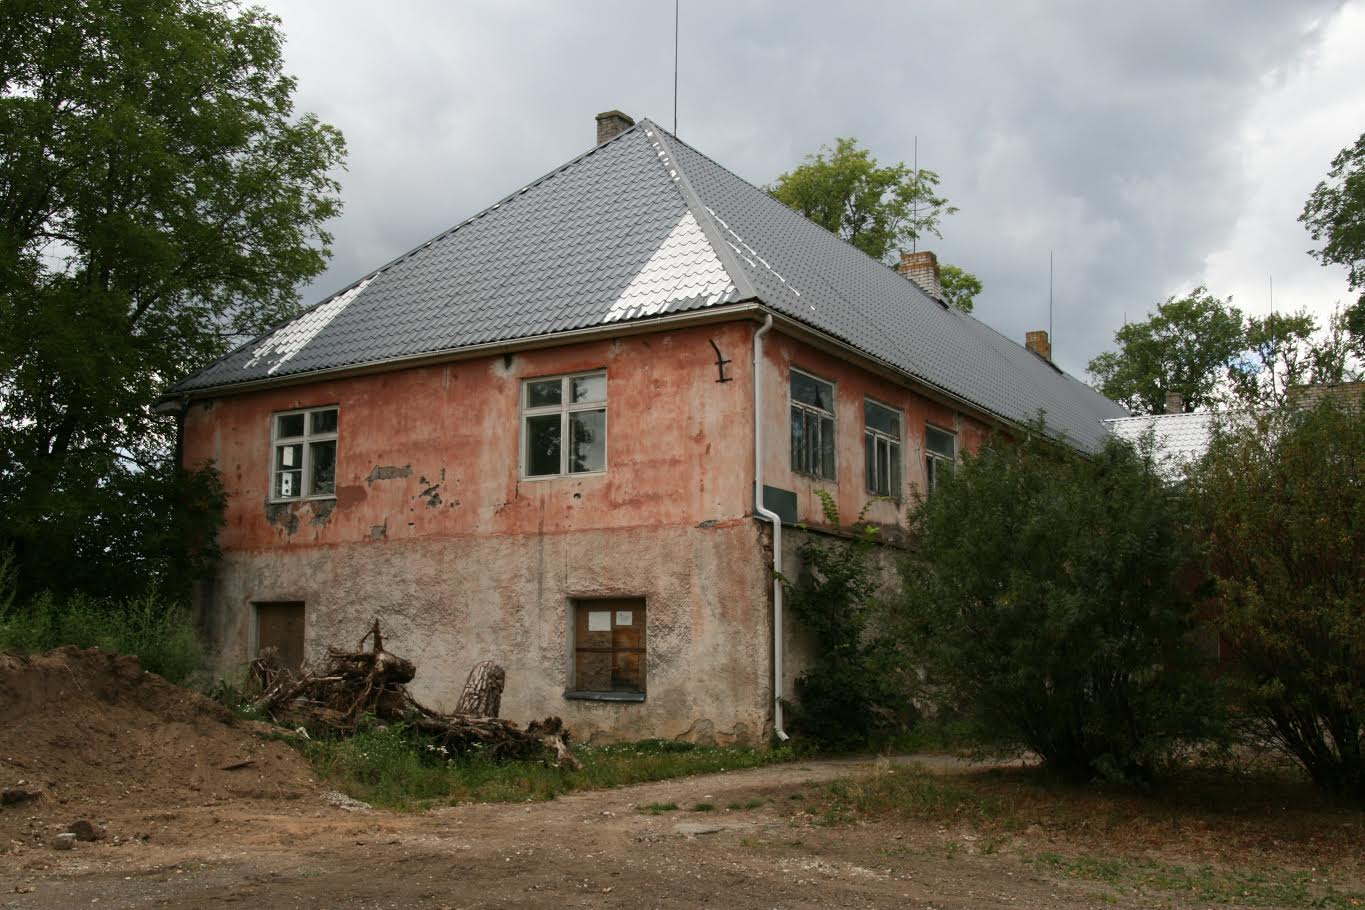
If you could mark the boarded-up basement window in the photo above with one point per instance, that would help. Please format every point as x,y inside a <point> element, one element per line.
<point>609,645</point>
<point>279,625</point>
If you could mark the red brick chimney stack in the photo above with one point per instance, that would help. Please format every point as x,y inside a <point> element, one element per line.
<point>922,269</point>
<point>1039,343</point>
<point>610,124</point>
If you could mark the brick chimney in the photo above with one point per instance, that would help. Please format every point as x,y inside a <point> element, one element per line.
<point>1175,403</point>
<point>611,124</point>
<point>922,269</point>
<point>1039,343</point>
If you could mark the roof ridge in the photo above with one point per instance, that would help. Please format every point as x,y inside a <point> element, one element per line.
<point>714,236</point>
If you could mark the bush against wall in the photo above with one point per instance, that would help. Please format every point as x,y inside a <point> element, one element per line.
<point>1046,609</point>
<point>851,695</point>
<point>1282,499</point>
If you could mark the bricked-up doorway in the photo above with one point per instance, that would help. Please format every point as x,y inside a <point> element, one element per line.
<point>609,645</point>
<point>279,625</point>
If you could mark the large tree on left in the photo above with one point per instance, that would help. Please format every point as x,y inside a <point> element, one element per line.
<point>159,201</point>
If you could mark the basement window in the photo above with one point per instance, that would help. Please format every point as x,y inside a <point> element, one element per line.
<point>882,442</point>
<point>564,425</point>
<point>812,425</point>
<point>304,463</point>
<point>940,455</point>
<point>608,650</point>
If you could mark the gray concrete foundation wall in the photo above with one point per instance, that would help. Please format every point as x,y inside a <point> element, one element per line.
<point>448,603</point>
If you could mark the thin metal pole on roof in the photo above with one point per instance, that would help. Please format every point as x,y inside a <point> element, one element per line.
<point>1049,295</point>
<point>676,4</point>
<point>914,204</point>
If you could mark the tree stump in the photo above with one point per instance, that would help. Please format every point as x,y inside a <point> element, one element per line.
<point>482,696</point>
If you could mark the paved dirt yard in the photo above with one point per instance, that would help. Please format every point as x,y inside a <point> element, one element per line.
<point>593,849</point>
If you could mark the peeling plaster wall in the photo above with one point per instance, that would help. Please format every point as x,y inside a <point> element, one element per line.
<point>447,604</point>
<point>433,530</point>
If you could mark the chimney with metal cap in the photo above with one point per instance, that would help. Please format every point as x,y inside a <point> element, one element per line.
<point>611,124</point>
<point>1039,343</point>
<point>922,269</point>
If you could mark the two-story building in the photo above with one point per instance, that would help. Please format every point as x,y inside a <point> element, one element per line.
<point>563,434</point>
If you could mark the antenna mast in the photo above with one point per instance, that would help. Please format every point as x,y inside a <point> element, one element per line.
<point>676,4</point>
<point>914,203</point>
<point>1049,297</point>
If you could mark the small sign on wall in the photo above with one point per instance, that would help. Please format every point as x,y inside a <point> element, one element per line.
<point>599,621</point>
<point>624,617</point>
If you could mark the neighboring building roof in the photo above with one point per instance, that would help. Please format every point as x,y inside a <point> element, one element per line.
<point>639,227</point>
<point>1176,439</point>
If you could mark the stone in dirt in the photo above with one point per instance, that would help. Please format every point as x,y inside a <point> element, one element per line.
<point>64,841</point>
<point>11,796</point>
<point>85,830</point>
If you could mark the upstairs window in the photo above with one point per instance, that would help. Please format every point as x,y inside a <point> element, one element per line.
<point>940,455</point>
<point>305,454</point>
<point>882,441</point>
<point>812,426</point>
<point>564,425</point>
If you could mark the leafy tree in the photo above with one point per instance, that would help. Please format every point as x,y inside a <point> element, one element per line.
<point>1282,501</point>
<point>875,208</point>
<point>1335,215</point>
<point>159,199</point>
<point>1189,346</point>
<point>1280,354</point>
<point>960,287</point>
<point>1047,610</point>
<point>849,697</point>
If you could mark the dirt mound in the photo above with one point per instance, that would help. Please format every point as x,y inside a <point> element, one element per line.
<point>101,739</point>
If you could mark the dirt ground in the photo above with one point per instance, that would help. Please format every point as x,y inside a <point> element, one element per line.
<point>195,808</point>
<point>594,849</point>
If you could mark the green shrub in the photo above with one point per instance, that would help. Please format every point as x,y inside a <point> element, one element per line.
<point>1282,500</point>
<point>1045,608</point>
<point>849,697</point>
<point>160,634</point>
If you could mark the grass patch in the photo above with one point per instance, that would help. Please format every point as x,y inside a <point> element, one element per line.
<point>746,804</point>
<point>1261,886</point>
<point>159,634</point>
<point>906,792</point>
<point>394,768</point>
<point>659,808</point>
<point>704,807</point>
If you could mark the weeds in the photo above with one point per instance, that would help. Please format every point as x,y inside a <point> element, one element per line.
<point>659,808</point>
<point>704,807</point>
<point>1261,886</point>
<point>159,634</point>
<point>395,768</point>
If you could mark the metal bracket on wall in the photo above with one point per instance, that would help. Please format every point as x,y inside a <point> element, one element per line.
<point>721,361</point>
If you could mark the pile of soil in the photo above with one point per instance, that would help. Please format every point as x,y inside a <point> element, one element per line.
<point>99,738</point>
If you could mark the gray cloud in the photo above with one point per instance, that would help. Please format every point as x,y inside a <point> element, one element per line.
<point>1105,132</point>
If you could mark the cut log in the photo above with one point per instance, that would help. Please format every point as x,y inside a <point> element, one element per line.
<point>482,696</point>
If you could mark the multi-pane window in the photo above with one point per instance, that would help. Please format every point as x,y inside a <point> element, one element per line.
<point>304,463</point>
<point>564,425</point>
<point>812,425</point>
<point>609,645</point>
<point>882,441</point>
<point>940,454</point>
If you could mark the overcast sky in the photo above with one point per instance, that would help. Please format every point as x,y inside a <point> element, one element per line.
<point>1152,146</point>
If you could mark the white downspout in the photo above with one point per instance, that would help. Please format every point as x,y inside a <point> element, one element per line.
<point>773,517</point>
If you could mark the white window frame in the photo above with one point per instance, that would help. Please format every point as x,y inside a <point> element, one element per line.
<point>814,409</point>
<point>306,440</point>
<point>564,409</point>
<point>880,436</point>
<point>930,456</point>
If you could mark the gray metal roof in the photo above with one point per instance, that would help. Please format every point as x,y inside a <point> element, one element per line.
<point>643,226</point>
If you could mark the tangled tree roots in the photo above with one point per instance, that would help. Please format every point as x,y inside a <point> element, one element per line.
<point>351,685</point>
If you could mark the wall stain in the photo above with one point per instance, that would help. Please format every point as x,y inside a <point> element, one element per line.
<point>282,515</point>
<point>322,511</point>
<point>388,472</point>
